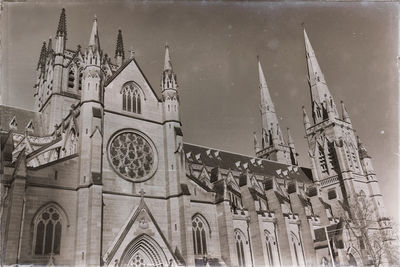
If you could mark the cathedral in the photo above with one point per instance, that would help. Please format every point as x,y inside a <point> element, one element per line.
<point>100,174</point>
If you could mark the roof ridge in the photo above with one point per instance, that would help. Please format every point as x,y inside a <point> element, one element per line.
<point>236,153</point>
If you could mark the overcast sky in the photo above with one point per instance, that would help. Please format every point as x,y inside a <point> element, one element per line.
<point>214,47</point>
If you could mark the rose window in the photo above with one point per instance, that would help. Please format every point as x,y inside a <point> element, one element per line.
<point>132,156</point>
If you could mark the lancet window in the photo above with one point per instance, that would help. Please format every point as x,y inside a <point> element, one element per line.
<point>131,98</point>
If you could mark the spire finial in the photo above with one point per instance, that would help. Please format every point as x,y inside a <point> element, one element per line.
<point>62,25</point>
<point>119,49</point>
<point>167,60</point>
<point>94,36</point>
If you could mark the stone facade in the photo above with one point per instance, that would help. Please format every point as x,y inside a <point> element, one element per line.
<point>99,174</point>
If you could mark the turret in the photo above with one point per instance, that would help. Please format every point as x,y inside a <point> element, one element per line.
<point>92,72</point>
<point>169,90</point>
<point>318,87</point>
<point>61,38</point>
<point>119,50</point>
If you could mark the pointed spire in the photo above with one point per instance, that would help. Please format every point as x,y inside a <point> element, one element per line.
<point>94,36</point>
<point>345,115</point>
<point>42,57</point>
<point>306,120</point>
<point>62,25</point>
<point>316,79</point>
<point>167,60</point>
<point>266,100</point>
<point>119,50</point>
<point>362,151</point>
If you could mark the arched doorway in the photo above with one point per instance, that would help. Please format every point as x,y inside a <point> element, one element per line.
<point>144,251</point>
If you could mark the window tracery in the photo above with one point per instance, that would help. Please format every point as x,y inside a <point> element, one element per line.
<point>199,236</point>
<point>268,241</point>
<point>47,232</point>
<point>239,239</point>
<point>132,156</point>
<point>131,98</point>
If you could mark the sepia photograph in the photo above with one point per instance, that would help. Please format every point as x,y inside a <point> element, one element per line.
<point>199,133</point>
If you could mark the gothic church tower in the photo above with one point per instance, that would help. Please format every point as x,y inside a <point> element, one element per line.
<point>340,163</point>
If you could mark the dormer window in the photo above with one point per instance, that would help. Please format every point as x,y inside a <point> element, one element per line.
<point>131,98</point>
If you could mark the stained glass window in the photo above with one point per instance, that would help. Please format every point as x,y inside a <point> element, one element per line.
<point>131,156</point>
<point>131,98</point>
<point>199,236</point>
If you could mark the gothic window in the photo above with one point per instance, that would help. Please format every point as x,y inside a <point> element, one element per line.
<point>47,232</point>
<point>199,227</point>
<point>268,241</point>
<point>239,239</point>
<point>131,98</point>
<point>295,244</point>
<point>71,78</point>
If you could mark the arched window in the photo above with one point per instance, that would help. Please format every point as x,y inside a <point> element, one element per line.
<point>47,231</point>
<point>268,244</point>
<point>199,227</point>
<point>295,244</point>
<point>131,98</point>
<point>239,239</point>
<point>71,78</point>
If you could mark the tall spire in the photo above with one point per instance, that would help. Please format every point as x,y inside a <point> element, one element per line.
<point>318,87</point>
<point>167,60</point>
<point>94,41</point>
<point>119,50</point>
<point>62,25</point>
<point>266,101</point>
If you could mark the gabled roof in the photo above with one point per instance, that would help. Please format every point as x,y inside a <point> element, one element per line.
<point>234,161</point>
<point>22,116</point>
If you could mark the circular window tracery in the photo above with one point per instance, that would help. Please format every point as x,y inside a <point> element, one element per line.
<point>132,156</point>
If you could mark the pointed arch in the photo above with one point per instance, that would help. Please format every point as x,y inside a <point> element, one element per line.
<point>240,242</point>
<point>296,246</point>
<point>269,245</point>
<point>132,97</point>
<point>48,224</point>
<point>200,239</point>
<point>143,251</point>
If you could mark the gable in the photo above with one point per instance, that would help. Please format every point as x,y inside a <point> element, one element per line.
<point>140,233</point>
<point>130,74</point>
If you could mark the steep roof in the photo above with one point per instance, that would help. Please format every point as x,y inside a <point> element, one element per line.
<point>232,161</point>
<point>22,117</point>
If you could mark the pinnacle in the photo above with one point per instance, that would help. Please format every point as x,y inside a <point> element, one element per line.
<point>62,25</point>
<point>43,54</point>
<point>119,49</point>
<point>167,60</point>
